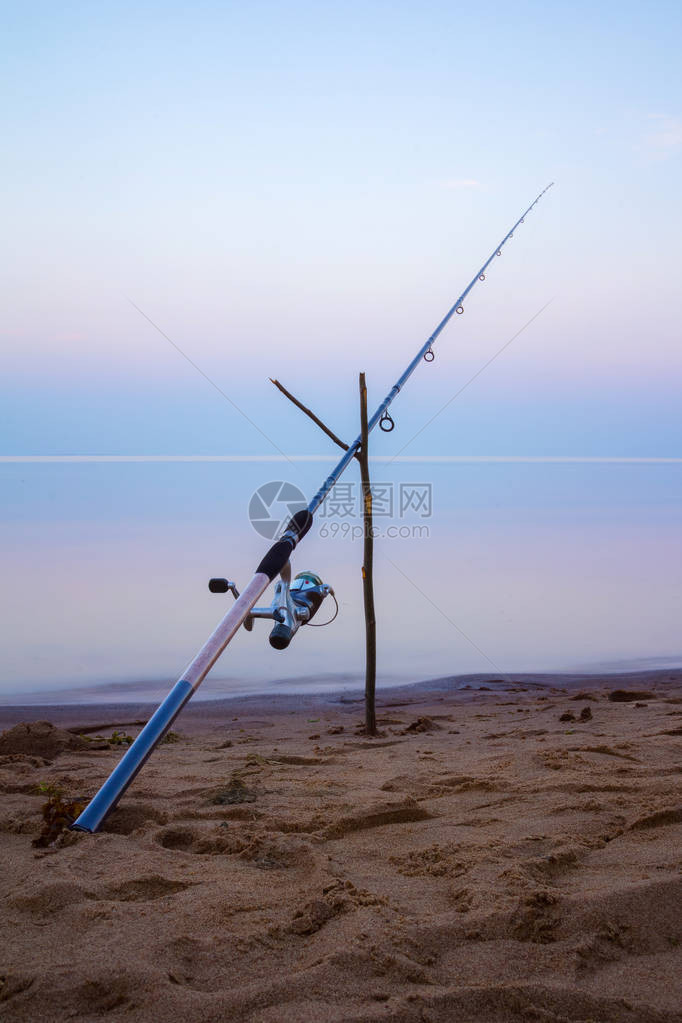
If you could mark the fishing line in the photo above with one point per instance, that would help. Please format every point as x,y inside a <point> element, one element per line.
<point>321,625</point>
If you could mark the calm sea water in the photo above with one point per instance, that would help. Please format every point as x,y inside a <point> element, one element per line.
<point>511,568</point>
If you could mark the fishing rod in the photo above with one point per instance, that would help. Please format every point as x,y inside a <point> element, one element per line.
<point>293,605</point>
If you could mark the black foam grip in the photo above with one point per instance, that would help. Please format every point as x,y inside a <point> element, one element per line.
<point>276,558</point>
<point>300,523</point>
<point>278,555</point>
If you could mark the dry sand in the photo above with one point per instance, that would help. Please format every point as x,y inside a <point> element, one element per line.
<point>480,860</point>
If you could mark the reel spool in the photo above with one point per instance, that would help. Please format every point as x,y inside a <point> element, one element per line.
<point>294,604</point>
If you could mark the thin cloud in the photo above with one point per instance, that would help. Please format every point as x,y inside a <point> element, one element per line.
<point>406,459</point>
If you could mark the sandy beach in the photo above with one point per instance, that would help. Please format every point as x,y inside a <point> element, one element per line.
<point>502,853</point>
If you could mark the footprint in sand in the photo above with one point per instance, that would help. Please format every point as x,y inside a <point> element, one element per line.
<point>126,819</point>
<point>145,889</point>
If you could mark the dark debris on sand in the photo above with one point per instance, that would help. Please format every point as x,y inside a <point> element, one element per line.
<point>39,739</point>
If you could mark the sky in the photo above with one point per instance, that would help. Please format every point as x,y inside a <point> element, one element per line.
<point>301,191</point>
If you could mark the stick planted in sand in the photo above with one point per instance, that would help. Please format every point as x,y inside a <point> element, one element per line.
<point>362,455</point>
<point>368,571</point>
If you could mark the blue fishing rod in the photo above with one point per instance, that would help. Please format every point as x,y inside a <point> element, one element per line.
<point>294,604</point>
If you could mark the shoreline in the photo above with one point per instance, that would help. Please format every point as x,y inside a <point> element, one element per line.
<point>460,688</point>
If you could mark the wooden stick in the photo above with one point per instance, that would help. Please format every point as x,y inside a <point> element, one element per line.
<point>311,415</point>
<point>368,570</point>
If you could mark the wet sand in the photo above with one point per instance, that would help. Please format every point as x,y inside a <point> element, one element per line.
<point>485,858</point>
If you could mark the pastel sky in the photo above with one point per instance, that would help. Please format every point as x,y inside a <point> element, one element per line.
<point>300,191</point>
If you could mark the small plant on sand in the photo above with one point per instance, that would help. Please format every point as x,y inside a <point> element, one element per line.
<point>49,788</point>
<point>255,761</point>
<point>59,812</point>
<point>120,739</point>
<point>171,737</point>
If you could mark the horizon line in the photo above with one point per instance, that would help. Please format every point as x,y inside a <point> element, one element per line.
<point>405,459</point>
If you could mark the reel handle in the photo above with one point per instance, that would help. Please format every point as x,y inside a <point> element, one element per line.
<point>223,586</point>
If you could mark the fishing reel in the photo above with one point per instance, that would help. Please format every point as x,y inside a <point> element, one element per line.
<point>294,604</point>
